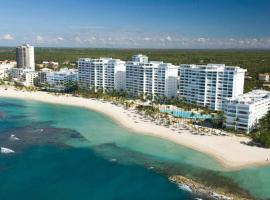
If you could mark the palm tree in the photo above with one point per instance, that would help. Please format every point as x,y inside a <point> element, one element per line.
<point>222,118</point>
<point>236,122</point>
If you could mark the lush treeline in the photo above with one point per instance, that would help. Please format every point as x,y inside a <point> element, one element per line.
<point>262,131</point>
<point>256,61</point>
<point>253,60</point>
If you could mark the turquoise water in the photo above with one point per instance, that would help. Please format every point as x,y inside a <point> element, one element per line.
<point>83,154</point>
<point>185,114</point>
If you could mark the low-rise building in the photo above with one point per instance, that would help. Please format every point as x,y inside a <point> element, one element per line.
<point>244,111</point>
<point>266,86</point>
<point>51,64</point>
<point>5,67</point>
<point>30,78</point>
<point>19,73</point>
<point>42,75</point>
<point>264,77</point>
<point>59,80</point>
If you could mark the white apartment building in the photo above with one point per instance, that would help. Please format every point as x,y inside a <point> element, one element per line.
<point>209,85</point>
<point>102,73</point>
<point>151,78</point>
<point>58,80</point>
<point>140,58</point>
<point>19,73</point>
<point>244,111</point>
<point>42,75</point>
<point>30,78</point>
<point>25,57</point>
<point>5,67</point>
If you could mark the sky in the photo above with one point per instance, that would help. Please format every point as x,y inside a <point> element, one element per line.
<point>180,24</point>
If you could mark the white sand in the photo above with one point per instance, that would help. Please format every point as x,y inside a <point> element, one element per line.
<point>226,149</point>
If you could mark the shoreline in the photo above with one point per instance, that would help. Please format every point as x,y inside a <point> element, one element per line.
<point>227,150</point>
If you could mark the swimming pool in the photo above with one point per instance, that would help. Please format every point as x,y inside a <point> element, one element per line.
<point>185,114</point>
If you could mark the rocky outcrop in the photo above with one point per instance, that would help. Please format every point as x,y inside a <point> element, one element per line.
<point>204,191</point>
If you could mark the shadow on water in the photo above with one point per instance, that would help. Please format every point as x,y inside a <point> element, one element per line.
<point>19,117</point>
<point>9,104</point>
<point>2,115</point>
<point>38,134</point>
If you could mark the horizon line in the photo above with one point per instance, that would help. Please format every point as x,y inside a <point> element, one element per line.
<point>145,48</point>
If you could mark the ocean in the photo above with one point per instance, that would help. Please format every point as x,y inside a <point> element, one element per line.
<point>68,152</point>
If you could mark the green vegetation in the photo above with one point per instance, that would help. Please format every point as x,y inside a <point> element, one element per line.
<point>262,131</point>
<point>99,94</point>
<point>256,61</point>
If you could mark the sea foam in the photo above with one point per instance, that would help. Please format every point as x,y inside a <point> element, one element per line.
<point>6,150</point>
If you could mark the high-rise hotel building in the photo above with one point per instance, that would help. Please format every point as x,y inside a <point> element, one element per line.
<point>25,57</point>
<point>102,73</point>
<point>150,78</point>
<point>209,85</point>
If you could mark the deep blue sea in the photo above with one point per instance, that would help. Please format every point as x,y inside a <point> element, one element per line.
<point>73,153</point>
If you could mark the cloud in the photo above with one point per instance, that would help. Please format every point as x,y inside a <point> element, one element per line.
<point>7,37</point>
<point>131,38</point>
<point>89,27</point>
<point>77,39</point>
<point>59,38</point>
<point>39,39</point>
<point>120,39</point>
<point>201,40</point>
<point>168,38</point>
<point>147,38</point>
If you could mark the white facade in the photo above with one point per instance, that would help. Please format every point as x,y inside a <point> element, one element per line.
<point>25,57</point>
<point>150,78</point>
<point>102,73</point>
<point>29,78</point>
<point>244,111</point>
<point>59,80</point>
<point>5,67</point>
<point>19,73</point>
<point>42,75</point>
<point>209,85</point>
<point>140,58</point>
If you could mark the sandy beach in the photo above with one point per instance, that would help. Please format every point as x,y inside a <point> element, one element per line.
<point>228,150</point>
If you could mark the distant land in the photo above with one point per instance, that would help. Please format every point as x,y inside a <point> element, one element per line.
<point>254,60</point>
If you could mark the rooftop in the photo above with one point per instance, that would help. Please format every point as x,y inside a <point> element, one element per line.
<point>7,61</point>
<point>101,59</point>
<point>251,97</point>
<point>24,45</point>
<point>64,71</point>
<point>264,75</point>
<point>215,67</point>
<point>46,69</point>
